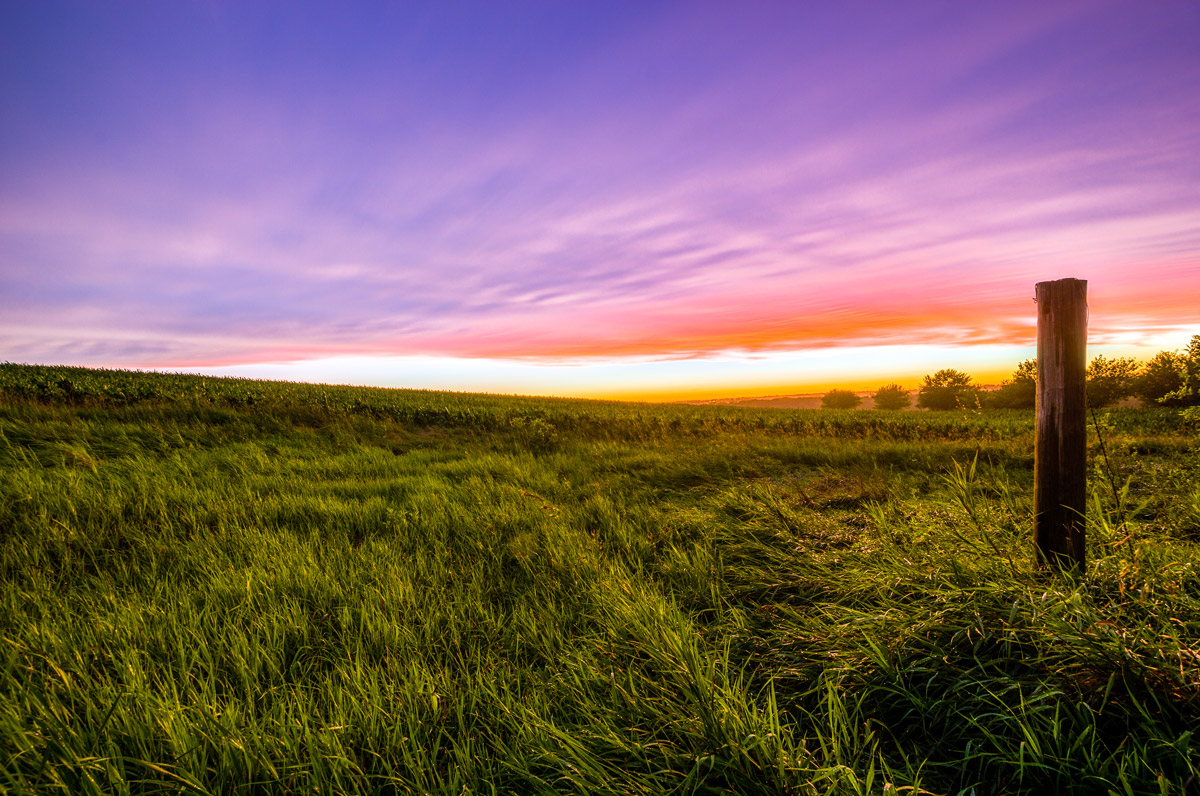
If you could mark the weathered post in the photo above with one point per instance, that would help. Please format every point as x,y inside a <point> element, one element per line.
<point>1060,450</point>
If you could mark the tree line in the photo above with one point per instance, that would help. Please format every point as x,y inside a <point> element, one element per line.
<point>1170,378</point>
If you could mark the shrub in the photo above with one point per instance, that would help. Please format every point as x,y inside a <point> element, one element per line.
<point>1019,392</point>
<point>1188,393</point>
<point>1161,376</point>
<point>840,399</point>
<point>947,389</point>
<point>891,397</point>
<point>1110,380</point>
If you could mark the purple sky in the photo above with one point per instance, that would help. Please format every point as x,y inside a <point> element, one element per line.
<point>589,187</point>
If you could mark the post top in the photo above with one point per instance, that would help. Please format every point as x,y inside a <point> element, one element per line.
<point>1061,281</point>
<point>1061,290</point>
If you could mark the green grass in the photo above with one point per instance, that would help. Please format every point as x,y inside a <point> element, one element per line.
<point>223,586</point>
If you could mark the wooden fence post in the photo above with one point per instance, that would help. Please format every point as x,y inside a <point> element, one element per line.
<point>1060,449</point>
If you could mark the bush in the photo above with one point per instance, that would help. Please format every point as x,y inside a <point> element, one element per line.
<point>1188,393</point>
<point>1161,377</point>
<point>1019,392</point>
<point>891,397</point>
<point>1110,380</point>
<point>948,389</point>
<point>840,399</point>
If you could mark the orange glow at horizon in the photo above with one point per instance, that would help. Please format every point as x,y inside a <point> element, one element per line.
<point>732,374</point>
<point>1122,312</point>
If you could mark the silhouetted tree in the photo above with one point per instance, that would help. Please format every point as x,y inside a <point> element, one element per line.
<point>1110,380</point>
<point>1159,378</point>
<point>1019,392</point>
<point>1188,393</point>
<point>840,399</point>
<point>947,389</point>
<point>891,397</point>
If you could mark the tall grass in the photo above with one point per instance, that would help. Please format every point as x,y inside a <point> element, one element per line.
<point>436,593</point>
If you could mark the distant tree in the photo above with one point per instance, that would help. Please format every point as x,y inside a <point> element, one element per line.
<point>1110,380</point>
<point>947,389</point>
<point>1019,392</point>
<point>1159,378</point>
<point>840,399</point>
<point>1188,393</point>
<point>891,397</point>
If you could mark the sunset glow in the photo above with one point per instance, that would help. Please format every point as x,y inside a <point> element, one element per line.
<point>654,201</point>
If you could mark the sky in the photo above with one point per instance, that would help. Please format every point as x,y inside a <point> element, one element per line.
<point>643,200</point>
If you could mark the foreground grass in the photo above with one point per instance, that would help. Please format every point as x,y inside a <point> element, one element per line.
<point>378,591</point>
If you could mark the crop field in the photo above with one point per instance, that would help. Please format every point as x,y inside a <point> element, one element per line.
<point>223,586</point>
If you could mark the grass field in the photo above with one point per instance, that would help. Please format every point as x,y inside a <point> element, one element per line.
<point>224,586</point>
